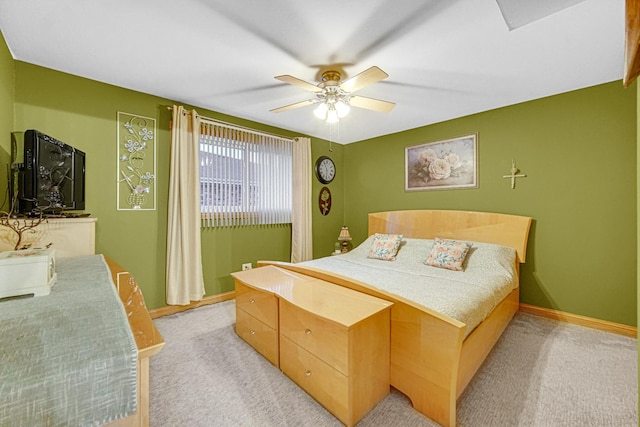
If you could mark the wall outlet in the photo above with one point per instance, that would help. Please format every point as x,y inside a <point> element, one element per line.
<point>246,266</point>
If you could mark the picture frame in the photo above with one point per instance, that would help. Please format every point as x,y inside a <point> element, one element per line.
<point>442,165</point>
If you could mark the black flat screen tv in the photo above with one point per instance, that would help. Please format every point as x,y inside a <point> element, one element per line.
<point>49,174</point>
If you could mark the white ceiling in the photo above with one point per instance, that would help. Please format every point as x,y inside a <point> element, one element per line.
<point>445,58</point>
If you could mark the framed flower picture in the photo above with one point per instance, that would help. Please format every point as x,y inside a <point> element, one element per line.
<point>442,165</point>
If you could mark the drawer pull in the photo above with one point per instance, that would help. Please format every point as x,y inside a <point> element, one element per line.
<point>252,332</point>
<point>307,331</point>
<point>252,300</point>
<point>308,373</point>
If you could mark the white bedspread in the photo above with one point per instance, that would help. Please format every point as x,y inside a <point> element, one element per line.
<point>468,296</point>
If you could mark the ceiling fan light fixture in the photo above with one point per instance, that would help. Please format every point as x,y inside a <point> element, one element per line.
<point>332,116</point>
<point>321,111</point>
<point>342,108</point>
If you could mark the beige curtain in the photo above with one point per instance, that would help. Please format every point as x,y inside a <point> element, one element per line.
<point>185,282</point>
<point>301,231</point>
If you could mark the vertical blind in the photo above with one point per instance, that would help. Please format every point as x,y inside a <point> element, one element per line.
<point>245,176</point>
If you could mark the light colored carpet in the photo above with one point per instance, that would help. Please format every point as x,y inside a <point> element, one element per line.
<point>541,373</point>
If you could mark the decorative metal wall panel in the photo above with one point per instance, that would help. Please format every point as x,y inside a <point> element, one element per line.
<point>136,162</point>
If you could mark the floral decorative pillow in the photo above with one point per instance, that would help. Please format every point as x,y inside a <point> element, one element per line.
<point>385,246</point>
<point>449,254</point>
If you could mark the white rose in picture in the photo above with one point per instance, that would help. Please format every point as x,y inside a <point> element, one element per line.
<point>439,169</point>
<point>454,160</point>
<point>429,155</point>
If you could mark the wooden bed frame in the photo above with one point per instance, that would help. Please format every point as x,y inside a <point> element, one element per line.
<point>431,361</point>
<point>148,340</point>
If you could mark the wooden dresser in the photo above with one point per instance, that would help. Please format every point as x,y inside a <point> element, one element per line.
<point>257,320</point>
<point>70,236</point>
<point>332,341</point>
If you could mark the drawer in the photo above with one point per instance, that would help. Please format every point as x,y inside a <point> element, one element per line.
<point>325,339</point>
<point>260,304</point>
<point>325,384</point>
<point>258,335</point>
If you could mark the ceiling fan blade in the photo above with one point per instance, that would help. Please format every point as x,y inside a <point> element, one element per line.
<point>297,82</point>
<point>292,106</point>
<point>365,78</point>
<point>371,104</point>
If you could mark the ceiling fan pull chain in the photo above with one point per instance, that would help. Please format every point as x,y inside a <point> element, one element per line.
<point>330,137</point>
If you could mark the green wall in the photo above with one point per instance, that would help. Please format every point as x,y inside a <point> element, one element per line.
<point>578,151</point>
<point>7,69</point>
<point>83,113</point>
<point>327,228</point>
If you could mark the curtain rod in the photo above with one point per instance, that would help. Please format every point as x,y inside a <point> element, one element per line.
<point>231,125</point>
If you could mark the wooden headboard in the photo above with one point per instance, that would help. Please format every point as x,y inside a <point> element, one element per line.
<point>486,227</point>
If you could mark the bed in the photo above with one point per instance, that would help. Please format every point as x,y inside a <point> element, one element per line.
<point>79,356</point>
<point>148,340</point>
<point>434,356</point>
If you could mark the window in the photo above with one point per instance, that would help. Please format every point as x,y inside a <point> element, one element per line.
<point>245,176</point>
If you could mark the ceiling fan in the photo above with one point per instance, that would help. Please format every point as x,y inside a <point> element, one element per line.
<point>334,97</point>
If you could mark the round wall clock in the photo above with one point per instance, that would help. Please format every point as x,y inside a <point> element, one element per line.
<point>324,201</point>
<point>325,169</point>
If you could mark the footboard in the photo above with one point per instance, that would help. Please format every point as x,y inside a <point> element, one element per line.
<point>425,348</point>
<point>148,340</point>
<point>425,356</point>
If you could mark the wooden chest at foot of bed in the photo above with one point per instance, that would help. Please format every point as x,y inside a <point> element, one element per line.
<point>257,321</point>
<point>331,341</point>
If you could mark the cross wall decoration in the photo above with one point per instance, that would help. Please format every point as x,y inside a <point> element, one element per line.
<point>514,174</point>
